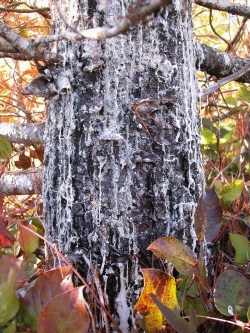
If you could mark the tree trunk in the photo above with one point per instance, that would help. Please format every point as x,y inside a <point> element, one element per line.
<point>122,160</point>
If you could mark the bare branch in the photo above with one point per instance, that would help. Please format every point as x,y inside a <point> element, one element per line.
<point>45,56</point>
<point>23,182</point>
<point>23,133</point>
<point>138,13</point>
<point>6,47</point>
<point>225,80</point>
<point>213,28</point>
<point>26,48</point>
<point>226,6</point>
<point>220,64</point>
<point>17,56</point>
<point>19,43</point>
<point>9,10</point>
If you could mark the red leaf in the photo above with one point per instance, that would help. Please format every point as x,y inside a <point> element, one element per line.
<point>49,284</point>
<point>6,238</point>
<point>1,203</point>
<point>65,313</point>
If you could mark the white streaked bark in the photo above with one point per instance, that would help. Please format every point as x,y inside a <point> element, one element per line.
<point>110,188</point>
<point>27,134</point>
<point>21,182</point>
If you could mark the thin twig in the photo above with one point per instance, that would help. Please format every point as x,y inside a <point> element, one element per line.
<point>24,11</point>
<point>141,120</point>
<point>229,217</point>
<point>236,36</point>
<point>224,321</point>
<point>228,165</point>
<point>225,80</point>
<point>213,29</point>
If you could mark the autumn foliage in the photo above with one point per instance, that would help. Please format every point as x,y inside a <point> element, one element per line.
<point>231,294</point>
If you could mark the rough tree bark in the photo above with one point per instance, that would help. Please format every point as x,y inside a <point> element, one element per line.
<point>219,64</point>
<point>27,134</point>
<point>21,182</point>
<point>111,186</point>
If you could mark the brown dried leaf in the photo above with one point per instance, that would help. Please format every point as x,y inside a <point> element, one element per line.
<point>24,162</point>
<point>207,219</point>
<point>65,313</point>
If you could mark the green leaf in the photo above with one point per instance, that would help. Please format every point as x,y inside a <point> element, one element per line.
<point>231,100</point>
<point>209,124</point>
<point>239,108</point>
<point>208,137</point>
<point>226,135</point>
<point>185,282</point>
<point>247,168</point>
<point>193,321</point>
<point>239,330</point>
<point>29,266</point>
<point>232,294</point>
<point>209,153</point>
<point>232,191</point>
<point>65,313</point>
<point>11,328</point>
<point>244,94</point>
<point>222,28</point>
<point>5,147</point>
<point>242,248</point>
<point>9,304</point>
<point>179,254</point>
<point>218,186</point>
<point>245,100</point>
<point>198,306</point>
<point>176,321</point>
<point>27,239</point>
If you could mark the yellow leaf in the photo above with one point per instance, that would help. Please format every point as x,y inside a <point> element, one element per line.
<point>163,286</point>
